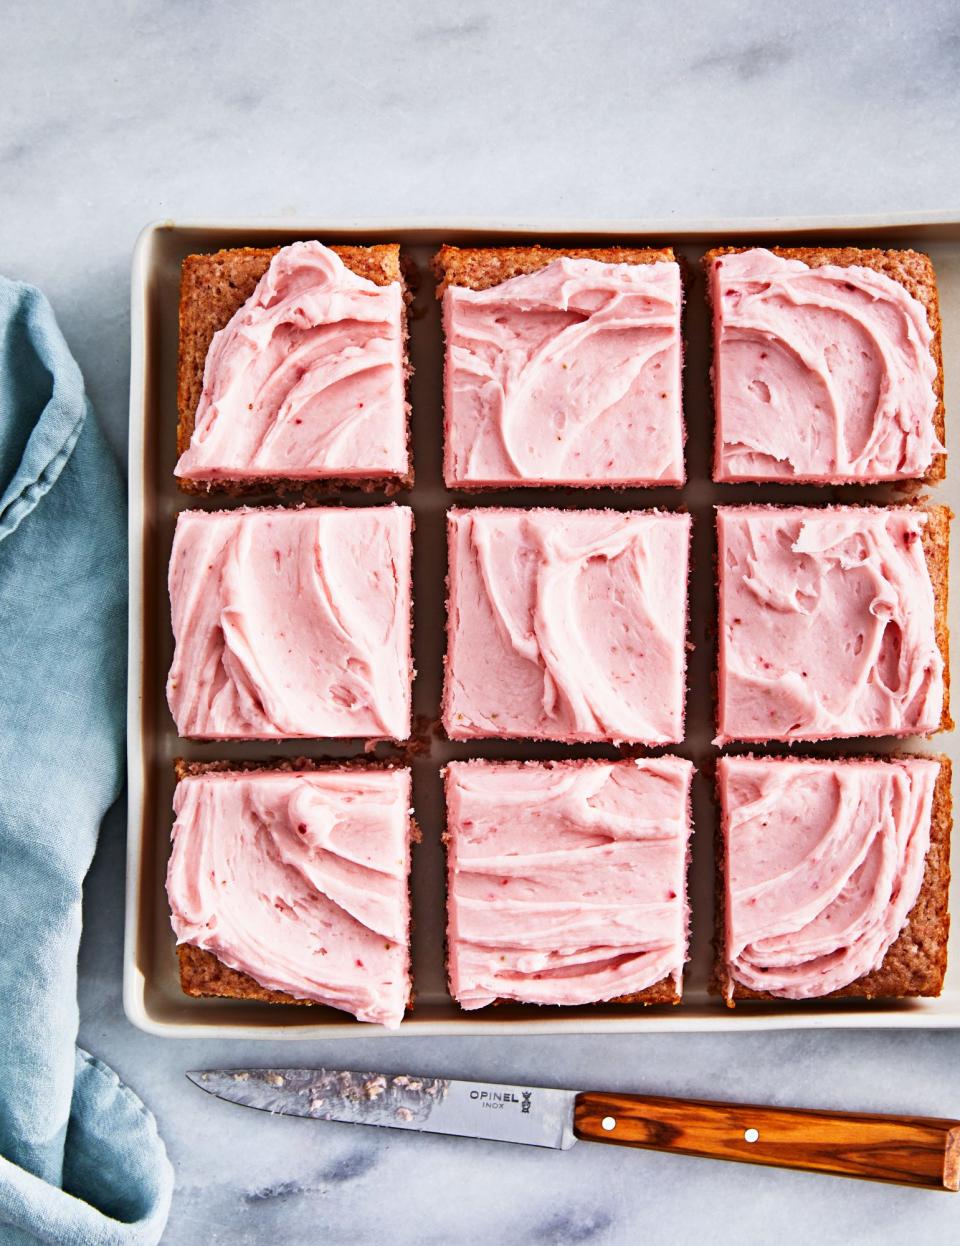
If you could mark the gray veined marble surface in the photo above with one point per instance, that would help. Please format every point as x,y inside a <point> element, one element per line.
<point>113,114</point>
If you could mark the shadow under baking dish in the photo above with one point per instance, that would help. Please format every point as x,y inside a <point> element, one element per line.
<point>152,996</point>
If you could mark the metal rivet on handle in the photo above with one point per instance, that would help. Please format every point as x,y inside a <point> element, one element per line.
<point>751,1135</point>
<point>608,1123</point>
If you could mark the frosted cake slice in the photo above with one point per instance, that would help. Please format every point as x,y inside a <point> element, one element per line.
<point>291,623</point>
<point>566,625</point>
<point>833,877</point>
<point>567,881</point>
<point>832,622</point>
<point>562,367</point>
<point>289,884</point>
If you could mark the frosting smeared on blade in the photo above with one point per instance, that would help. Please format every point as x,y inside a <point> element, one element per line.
<point>568,375</point>
<point>567,880</point>
<point>820,374</point>
<point>299,879</point>
<point>825,860</point>
<point>306,380</point>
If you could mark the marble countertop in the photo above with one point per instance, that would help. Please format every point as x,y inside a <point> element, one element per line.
<point>114,115</point>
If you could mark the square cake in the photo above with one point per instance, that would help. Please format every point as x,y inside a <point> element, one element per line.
<point>562,367</point>
<point>566,625</point>
<point>832,622</point>
<point>292,371</point>
<point>291,623</point>
<point>289,884</point>
<point>567,881</point>
<point>833,877</point>
<point>826,365</point>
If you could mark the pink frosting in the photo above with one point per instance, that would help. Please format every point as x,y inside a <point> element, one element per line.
<point>826,624</point>
<point>566,625</point>
<point>291,623</point>
<point>820,374</point>
<point>299,879</point>
<point>567,879</point>
<point>825,860</point>
<point>569,375</point>
<point>306,380</point>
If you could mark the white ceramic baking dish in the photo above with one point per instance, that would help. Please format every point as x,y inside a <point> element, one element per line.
<point>152,998</point>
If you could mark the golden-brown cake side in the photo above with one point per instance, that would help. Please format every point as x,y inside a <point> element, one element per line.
<point>183,768</point>
<point>202,975</point>
<point>936,548</point>
<point>479,268</point>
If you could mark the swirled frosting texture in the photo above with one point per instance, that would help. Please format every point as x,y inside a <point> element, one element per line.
<point>827,624</point>
<point>307,378</point>
<point>820,374</point>
<point>566,625</point>
<point>567,880</point>
<point>569,375</point>
<point>291,623</point>
<point>299,879</point>
<point>824,861</point>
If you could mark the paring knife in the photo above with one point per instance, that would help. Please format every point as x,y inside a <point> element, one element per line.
<point>906,1150</point>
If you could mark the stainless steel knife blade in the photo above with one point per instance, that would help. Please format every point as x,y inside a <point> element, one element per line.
<point>530,1115</point>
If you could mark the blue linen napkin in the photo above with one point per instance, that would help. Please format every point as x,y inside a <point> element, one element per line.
<point>81,1163</point>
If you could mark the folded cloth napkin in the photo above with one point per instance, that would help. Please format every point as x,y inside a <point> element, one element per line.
<point>81,1163</point>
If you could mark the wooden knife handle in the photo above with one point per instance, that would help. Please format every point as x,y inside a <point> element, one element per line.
<point>907,1150</point>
